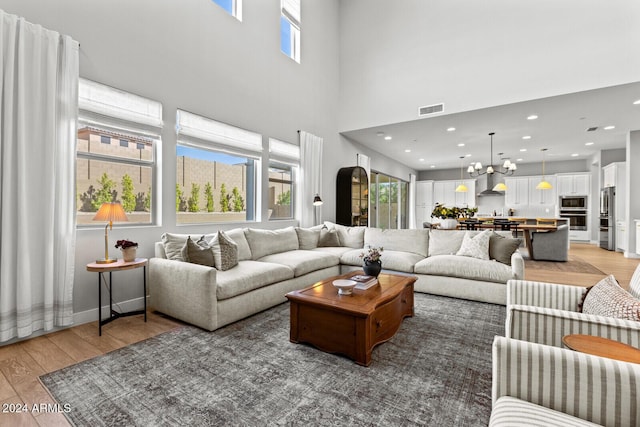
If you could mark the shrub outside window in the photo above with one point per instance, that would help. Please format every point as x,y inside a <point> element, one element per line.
<point>281,194</point>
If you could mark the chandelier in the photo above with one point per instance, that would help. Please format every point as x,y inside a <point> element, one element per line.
<point>475,170</point>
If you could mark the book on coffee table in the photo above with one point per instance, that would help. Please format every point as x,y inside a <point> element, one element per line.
<point>364,281</point>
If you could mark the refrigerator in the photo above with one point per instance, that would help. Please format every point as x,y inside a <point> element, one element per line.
<point>607,218</point>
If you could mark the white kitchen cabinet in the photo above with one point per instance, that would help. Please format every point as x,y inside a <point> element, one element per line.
<point>517,193</point>
<point>467,199</point>
<point>424,201</point>
<point>445,192</point>
<point>621,236</point>
<point>614,175</point>
<point>574,184</point>
<point>542,197</point>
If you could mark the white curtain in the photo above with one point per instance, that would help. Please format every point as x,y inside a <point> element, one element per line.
<point>38,111</point>
<point>310,179</point>
<point>412,201</point>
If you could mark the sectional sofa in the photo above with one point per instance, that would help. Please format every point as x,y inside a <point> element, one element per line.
<point>271,263</point>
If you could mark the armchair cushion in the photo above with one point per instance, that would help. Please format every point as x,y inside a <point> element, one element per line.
<point>509,411</point>
<point>607,298</point>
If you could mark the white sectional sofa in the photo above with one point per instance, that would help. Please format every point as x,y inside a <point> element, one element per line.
<point>274,262</point>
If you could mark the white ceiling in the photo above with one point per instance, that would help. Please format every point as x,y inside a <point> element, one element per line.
<point>560,127</point>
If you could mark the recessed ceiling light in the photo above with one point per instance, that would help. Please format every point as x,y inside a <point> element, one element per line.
<point>526,137</point>
<point>636,102</point>
<point>461,145</point>
<point>407,151</point>
<point>422,160</point>
<point>433,166</point>
<point>388,138</point>
<point>523,149</point>
<point>450,129</point>
<point>519,160</point>
<point>588,143</point>
<point>532,117</point>
<point>468,155</point>
<point>575,155</point>
<point>380,134</point>
<point>609,127</point>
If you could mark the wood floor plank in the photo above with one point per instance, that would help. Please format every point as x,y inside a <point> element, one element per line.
<point>6,390</point>
<point>74,345</point>
<point>16,419</point>
<point>47,354</point>
<point>33,393</point>
<point>20,369</point>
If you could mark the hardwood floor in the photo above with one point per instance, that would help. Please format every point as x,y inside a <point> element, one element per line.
<point>21,363</point>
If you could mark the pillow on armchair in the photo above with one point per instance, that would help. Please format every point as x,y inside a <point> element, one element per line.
<point>607,298</point>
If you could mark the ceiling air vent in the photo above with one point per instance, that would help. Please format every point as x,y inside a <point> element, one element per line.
<point>430,109</point>
<point>591,129</point>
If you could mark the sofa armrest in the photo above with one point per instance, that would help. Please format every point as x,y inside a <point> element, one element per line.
<point>592,388</point>
<point>517,265</point>
<point>540,294</point>
<point>548,326</point>
<point>185,291</point>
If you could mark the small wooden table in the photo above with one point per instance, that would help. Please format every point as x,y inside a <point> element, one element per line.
<point>350,324</point>
<point>603,347</point>
<point>110,268</point>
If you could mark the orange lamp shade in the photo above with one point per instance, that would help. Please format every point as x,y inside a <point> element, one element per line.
<point>112,212</point>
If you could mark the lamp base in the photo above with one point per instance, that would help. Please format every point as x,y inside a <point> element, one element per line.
<point>106,261</point>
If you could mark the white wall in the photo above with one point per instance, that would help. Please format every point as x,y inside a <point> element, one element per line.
<point>194,56</point>
<point>396,56</point>
<point>633,194</point>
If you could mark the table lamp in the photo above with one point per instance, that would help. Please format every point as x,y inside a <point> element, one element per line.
<point>109,212</point>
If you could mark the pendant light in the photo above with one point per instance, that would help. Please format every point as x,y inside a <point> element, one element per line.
<point>508,168</point>
<point>544,184</point>
<point>461,188</point>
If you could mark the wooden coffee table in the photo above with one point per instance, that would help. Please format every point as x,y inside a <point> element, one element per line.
<point>350,324</point>
<point>603,347</point>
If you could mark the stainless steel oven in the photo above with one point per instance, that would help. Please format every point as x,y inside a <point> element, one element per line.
<point>573,202</point>
<point>577,218</point>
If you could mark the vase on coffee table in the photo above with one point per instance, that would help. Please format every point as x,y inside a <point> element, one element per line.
<point>372,268</point>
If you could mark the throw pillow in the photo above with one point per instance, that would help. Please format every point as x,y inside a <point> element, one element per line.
<point>607,298</point>
<point>328,238</point>
<point>501,248</point>
<point>173,244</point>
<point>198,252</point>
<point>445,242</point>
<point>351,237</point>
<point>225,252</point>
<point>307,238</point>
<point>475,246</point>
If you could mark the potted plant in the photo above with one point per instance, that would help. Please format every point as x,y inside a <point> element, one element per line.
<point>449,216</point>
<point>372,263</point>
<point>128,249</point>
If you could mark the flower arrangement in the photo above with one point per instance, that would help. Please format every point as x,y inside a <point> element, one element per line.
<point>372,254</point>
<point>124,244</point>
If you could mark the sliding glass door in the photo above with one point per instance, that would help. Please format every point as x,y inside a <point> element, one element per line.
<point>388,199</point>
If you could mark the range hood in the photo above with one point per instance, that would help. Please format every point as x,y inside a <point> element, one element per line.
<point>490,191</point>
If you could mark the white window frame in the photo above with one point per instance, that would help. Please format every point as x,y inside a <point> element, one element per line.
<point>207,134</point>
<point>285,154</point>
<point>290,10</point>
<point>236,9</point>
<point>119,112</point>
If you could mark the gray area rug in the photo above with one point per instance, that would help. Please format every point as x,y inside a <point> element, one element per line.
<point>436,371</point>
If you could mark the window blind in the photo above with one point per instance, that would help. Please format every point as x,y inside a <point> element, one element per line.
<point>283,151</point>
<point>205,129</point>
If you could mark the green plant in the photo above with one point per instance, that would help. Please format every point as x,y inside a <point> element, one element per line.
<point>224,199</point>
<point>194,201</point>
<point>128,196</point>
<point>178,197</point>
<point>443,212</point>
<point>237,200</point>
<point>106,193</point>
<point>147,201</point>
<point>208,194</point>
<point>284,198</point>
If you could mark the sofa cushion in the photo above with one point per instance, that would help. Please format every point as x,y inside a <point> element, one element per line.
<point>225,251</point>
<point>267,242</point>
<point>352,237</point>
<point>475,246</point>
<point>334,250</point>
<point>237,235</point>
<point>465,267</point>
<point>197,253</point>
<point>391,260</point>
<point>445,242</point>
<point>510,411</point>
<point>414,241</point>
<point>249,275</point>
<point>307,238</point>
<point>607,298</point>
<point>303,262</point>
<point>501,248</point>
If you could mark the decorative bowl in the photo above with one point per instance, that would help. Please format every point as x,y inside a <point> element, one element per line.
<point>344,286</point>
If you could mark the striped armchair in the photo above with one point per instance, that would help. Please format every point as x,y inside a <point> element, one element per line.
<point>545,312</point>
<point>535,384</point>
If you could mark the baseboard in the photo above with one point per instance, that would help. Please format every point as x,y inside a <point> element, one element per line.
<point>631,255</point>
<point>92,315</point>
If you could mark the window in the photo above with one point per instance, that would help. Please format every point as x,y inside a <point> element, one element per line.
<point>118,135</point>
<point>284,159</point>
<point>233,7</point>
<point>388,197</point>
<point>290,28</point>
<point>217,169</point>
